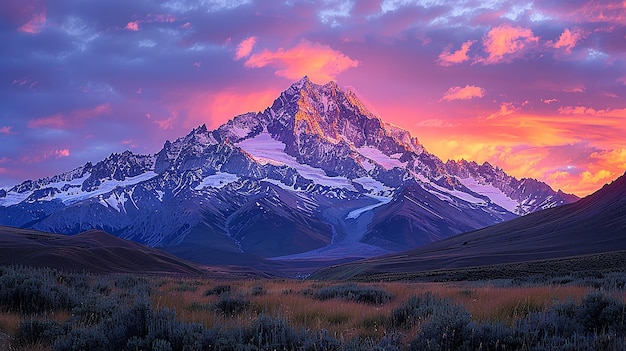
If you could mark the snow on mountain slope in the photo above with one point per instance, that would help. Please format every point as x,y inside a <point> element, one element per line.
<point>385,161</point>
<point>494,194</point>
<point>264,150</point>
<point>314,174</point>
<point>217,180</point>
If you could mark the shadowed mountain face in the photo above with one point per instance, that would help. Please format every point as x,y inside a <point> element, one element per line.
<point>314,177</point>
<point>94,251</point>
<point>594,224</point>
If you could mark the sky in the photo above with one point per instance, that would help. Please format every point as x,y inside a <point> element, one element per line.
<point>535,88</point>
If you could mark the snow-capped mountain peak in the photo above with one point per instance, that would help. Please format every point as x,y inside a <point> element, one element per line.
<point>315,174</point>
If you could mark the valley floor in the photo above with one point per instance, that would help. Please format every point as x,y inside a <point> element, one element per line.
<point>44,309</point>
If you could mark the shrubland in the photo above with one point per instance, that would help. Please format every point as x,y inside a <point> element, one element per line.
<point>46,309</point>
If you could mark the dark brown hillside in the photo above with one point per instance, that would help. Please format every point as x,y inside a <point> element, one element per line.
<point>593,225</point>
<point>94,251</point>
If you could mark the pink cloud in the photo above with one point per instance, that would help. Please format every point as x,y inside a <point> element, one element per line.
<point>98,110</point>
<point>54,121</point>
<point>463,93</point>
<point>61,153</point>
<point>6,130</point>
<point>448,58</point>
<point>129,143</point>
<point>504,41</point>
<point>25,82</point>
<point>167,123</point>
<point>162,18</point>
<point>245,48</point>
<point>59,121</point>
<point>610,12</point>
<point>35,24</point>
<point>133,26</point>
<point>151,18</point>
<point>318,61</point>
<point>568,39</point>
<point>49,154</point>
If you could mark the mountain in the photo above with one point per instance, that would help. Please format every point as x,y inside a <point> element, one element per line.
<point>314,177</point>
<point>574,232</point>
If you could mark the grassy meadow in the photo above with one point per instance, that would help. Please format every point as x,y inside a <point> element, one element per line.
<point>45,309</point>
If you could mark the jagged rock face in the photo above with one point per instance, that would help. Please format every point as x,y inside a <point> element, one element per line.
<point>315,175</point>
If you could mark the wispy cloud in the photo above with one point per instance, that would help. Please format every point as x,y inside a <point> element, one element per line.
<point>463,93</point>
<point>245,48</point>
<point>35,24</point>
<point>447,58</point>
<point>6,130</point>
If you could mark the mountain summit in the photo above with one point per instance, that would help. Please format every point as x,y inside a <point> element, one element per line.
<point>316,176</point>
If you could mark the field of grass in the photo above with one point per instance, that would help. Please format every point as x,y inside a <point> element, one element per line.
<point>43,309</point>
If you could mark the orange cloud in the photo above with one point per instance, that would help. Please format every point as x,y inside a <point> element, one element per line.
<point>568,39</point>
<point>318,61</point>
<point>547,147</point>
<point>446,58</point>
<point>463,93</point>
<point>245,48</point>
<point>503,41</point>
<point>506,108</point>
<point>35,24</point>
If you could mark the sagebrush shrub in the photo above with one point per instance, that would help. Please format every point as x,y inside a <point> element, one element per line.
<point>352,292</point>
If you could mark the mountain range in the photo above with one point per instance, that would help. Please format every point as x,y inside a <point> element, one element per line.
<point>589,234</point>
<point>315,177</point>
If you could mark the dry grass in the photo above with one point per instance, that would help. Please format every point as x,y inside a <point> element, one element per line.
<point>9,322</point>
<point>294,301</point>
<point>509,304</point>
<point>346,319</point>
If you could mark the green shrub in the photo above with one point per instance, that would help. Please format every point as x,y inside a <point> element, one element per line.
<point>416,310</point>
<point>42,332</point>
<point>231,305</point>
<point>218,290</point>
<point>352,292</point>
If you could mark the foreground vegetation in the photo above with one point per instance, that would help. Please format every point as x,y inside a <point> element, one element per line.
<point>45,309</point>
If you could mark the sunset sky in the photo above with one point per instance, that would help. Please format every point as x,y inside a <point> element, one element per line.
<point>538,89</point>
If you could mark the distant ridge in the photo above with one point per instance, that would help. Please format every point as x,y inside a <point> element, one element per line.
<point>93,251</point>
<point>591,226</point>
